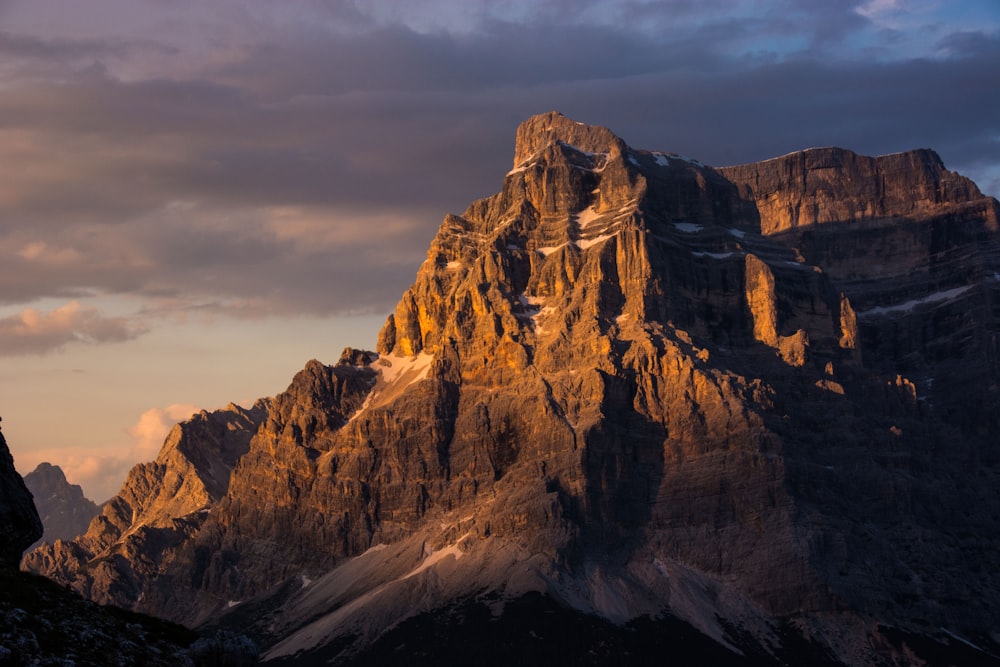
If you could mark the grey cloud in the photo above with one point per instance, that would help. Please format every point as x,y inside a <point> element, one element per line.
<point>36,332</point>
<point>169,189</point>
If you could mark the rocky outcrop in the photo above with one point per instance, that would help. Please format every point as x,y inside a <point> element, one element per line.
<point>18,519</point>
<point>912,247</point>
<point>64,510</point>
<point>161,504</point>
<point>833,185</point>
<point>41,623</point>
<point>636,385</point>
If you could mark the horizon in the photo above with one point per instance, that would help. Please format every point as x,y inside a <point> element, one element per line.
<point>202,198</point>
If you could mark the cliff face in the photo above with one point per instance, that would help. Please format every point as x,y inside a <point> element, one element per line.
<point>824,185</point>
<point>914,246</point>
<point>635,384</point>
<point>18,518</point>
<point>42,623</point>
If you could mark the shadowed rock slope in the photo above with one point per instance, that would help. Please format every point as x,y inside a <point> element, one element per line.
<point>41,623</point>
<point>64,510</point>
<point>760,401</point>
<point>20,522</point>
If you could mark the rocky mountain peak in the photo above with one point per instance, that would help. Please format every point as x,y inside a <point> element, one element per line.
<point>543,131</point>
<point>64,510</point>
<point>629,382</point>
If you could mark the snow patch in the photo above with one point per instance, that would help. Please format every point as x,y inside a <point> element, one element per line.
<point>524,167</point>
<point>395,374</point>
<point>935,297</point>
<point>962,639</point>
<point>586,217</point>
<point>451,266</point>
<point>530,301</point>
<point>688,227</point>
<point>583,244</point>
<point>549,249</point>
<point>435,557</point>
<point>662,159</point>
<point>535,309</point>
<point>305,580</point>
<point>232,603</point>
<point>409,369</point>
<point>738,233</point>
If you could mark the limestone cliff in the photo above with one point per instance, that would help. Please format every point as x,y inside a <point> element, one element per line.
<point>160,505</point>
<point>637,385</point>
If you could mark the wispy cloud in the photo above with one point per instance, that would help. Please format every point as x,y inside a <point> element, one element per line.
<point>35,332</point>
<point>101,473</point>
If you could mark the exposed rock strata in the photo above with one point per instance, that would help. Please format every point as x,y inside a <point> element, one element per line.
<point>634,383</point>
<point>160,506</point>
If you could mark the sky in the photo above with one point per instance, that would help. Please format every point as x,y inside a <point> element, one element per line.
<point>196,197</point>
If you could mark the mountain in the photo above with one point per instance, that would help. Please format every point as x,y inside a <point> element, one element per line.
<point>746,413</point>
<point>41,623</point>
<point>64,510</point>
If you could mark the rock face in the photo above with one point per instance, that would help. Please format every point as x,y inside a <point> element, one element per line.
<point>160,506</point>
<point>41,623</point>
<point>18,519</point>
<point>64,510</point>
<point>751,398</point>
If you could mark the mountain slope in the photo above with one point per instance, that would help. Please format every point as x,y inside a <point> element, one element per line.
<point>41,623</point>
<point>636,385</point>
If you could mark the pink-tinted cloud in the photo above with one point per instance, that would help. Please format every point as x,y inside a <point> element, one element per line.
<point>259,159</point>
<point>152,428</point>
<point>35,332</point>
<point>102,472</point>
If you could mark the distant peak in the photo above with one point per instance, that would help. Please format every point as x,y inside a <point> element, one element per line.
<point>50,472</point>
<point>542,130</point>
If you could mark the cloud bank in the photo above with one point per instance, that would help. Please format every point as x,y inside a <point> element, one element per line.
<point>35,332</point>
<point>259,159</point>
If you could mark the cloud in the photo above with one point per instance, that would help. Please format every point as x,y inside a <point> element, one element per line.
<point>100,475</point>
<point>152,428</point>
<point>206,161</point>
<point>35,332</point>
<point>260,159</point>
<point>102,472</point>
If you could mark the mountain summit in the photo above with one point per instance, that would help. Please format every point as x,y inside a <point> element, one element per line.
<point>64,510</point>
<point>751,408</point>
